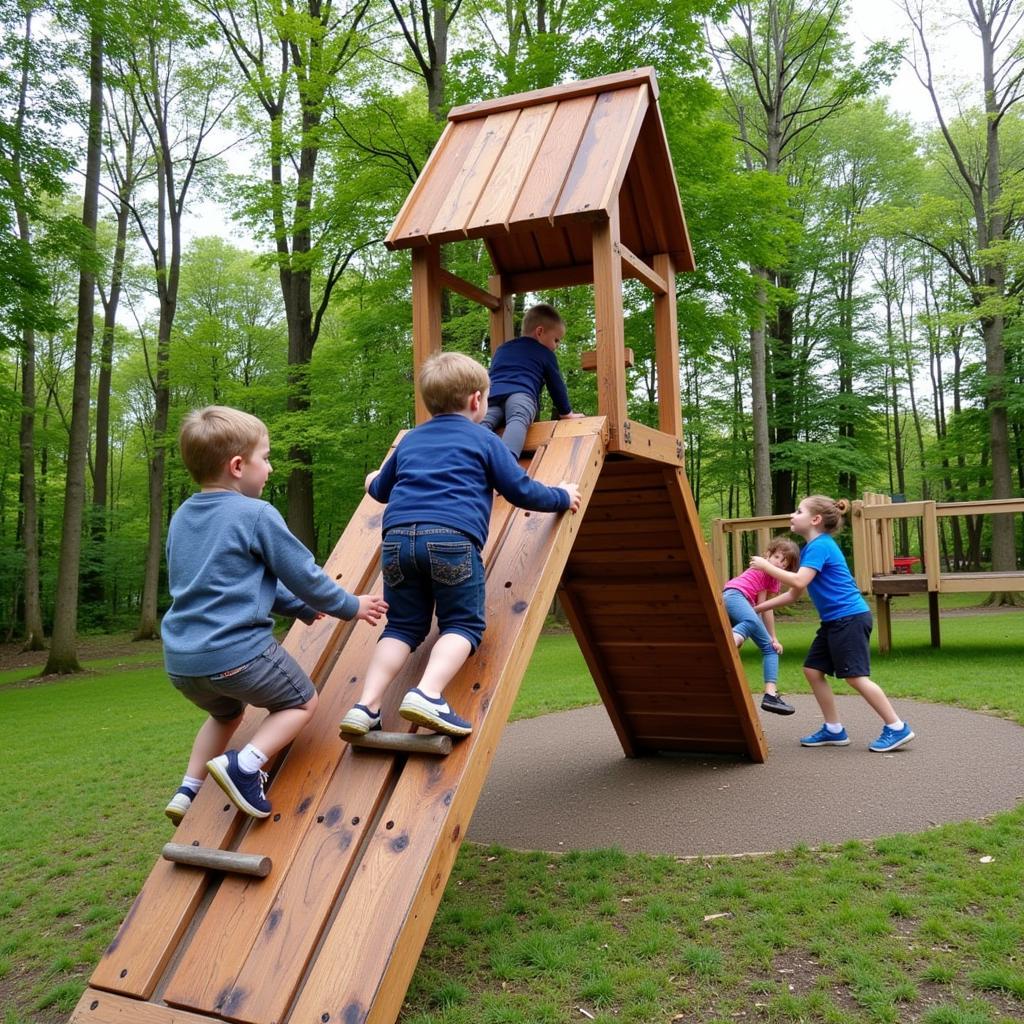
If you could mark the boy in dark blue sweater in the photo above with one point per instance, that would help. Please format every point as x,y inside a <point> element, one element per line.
<point>519,369</point>
<point>231,561</point>
<point>438,485</point>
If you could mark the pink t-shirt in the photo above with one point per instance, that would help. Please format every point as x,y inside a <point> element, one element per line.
<point>752,582</point>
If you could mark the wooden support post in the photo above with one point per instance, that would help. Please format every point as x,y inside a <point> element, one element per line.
<point>609,328</point>
<point>933,617</point>
<point>402,742</point>
<point>426,314</point>
<point>884,623</point>
<point>502,323</point>
<point>666,349</point>
<point>218,860</point>
<point>719,557</point>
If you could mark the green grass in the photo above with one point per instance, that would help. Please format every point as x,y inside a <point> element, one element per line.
<point>909,928</point>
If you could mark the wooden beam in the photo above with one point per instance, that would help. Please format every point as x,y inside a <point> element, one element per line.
<point>426,315</point>
<point>218,860</point>
<point>588,359</point>
<point>561,93</point>
<point>502,324</point>
<point>608,324</point>
<point>645,442</point>
<point>402,742</point>
<point>556,277</point>
<point>666,349</point>
<point>468,290</point>
<point>640,270</point>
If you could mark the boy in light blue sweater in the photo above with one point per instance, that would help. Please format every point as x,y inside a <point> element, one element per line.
<point>438,485</point>
<point>231,561</point>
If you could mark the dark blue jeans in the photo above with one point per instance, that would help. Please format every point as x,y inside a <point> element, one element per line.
<point>431,568</point>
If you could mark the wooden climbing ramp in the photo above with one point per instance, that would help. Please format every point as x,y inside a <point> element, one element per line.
<point>318,914</point>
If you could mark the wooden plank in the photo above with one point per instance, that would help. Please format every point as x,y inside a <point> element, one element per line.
<point>666,350</point>
<point>426,316</point>
<point>515,166</point>
<point>641,271</point>
<point>470,181</point>
<point>696,702</point>
<point>370,950</point>
<point>599,671</point>
<point>501,321</point>
<point>643,442</point>
<point>608,328</point>
<point>588,360</point>
<point>561,93</point>
<point>430,190</point>
<point>558,277</point>
<point>994,506</point>
<point>96,1007</point>
<point>468,290</point>
<point>980,583</point>
<point>541,190</point>
<point>884,620</point>
<point>930,531</point>
<point>650,728</point>
<point>694,743</point>
<point>592,184</point>
<point>656,157</point>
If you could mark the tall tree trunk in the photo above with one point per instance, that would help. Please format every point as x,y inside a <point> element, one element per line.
<point>63,653</point>
<point>784,405</point>
<point>759,402</point>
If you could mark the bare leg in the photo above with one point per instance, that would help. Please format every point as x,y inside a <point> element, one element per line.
<point>280,727</point>
<point>210,742</point>
<point>822,693</point>
<point>448,656</point>
<point>875,696</point>
<point>388,658</point>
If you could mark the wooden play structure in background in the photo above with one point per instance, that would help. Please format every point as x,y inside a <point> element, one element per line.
<point>881,573</point>
<point>570,185</point>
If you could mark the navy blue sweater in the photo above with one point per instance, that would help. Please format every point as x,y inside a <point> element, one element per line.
<point>445,472</point>
<point>231,560</point>
<point>525,365</point>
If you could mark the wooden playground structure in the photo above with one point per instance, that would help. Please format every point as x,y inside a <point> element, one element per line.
<point>317,915</point>
<point>879,572</point>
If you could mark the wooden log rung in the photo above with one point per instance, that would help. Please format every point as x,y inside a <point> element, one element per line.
<point>402,742</point>
<point>218,860</point>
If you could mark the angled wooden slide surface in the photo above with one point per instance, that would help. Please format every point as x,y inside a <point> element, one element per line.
<point>362,841</point>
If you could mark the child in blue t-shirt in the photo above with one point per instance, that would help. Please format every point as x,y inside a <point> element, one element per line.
<point>519,369</point>
<point>438,485</point>
<point>841,646</point>
<point>231,561</point>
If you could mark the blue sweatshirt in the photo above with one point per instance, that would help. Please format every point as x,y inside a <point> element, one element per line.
<point>525,365</point>
<point>231,560</point>
<point>445,472</point>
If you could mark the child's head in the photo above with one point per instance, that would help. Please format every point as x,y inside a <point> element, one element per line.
<point>830,510</point>
<point>543,323</point>
<point>787,554</point>
<point>448,380</point>
<point>209,438</point>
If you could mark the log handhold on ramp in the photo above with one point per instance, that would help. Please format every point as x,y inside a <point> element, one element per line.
<point>402,742</point>
<point>218,860</point>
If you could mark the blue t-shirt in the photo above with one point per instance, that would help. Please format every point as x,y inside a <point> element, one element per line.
<point>445,472</point>
<point>231,561</point>
<point>833,591</point>
<point>525,365</point>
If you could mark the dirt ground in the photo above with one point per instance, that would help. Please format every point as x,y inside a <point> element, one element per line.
<point>89,647</point>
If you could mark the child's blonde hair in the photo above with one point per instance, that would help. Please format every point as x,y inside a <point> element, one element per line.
<point>447,379</point>
<point>541,315</point>
<point>830,510</point>
<point>210,437</point>
<point>787,549</point>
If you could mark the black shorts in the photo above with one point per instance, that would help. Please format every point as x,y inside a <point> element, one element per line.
<point>842,647</point>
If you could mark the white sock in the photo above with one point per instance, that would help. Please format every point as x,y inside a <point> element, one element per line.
<point>193,784</point>
<point>834,726</point>
<point>251,760</point>
<point>896,726</point>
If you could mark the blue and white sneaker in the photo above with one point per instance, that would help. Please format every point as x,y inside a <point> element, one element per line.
<point>179,804</point>
<point>244,789</point>
<point>824,738</point>
<point>359,721</point>
<point>892,739</point>
<point>434,713</point>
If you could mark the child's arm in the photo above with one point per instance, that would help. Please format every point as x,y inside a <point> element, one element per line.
<point>517,487</point>
<point>558,391</point>
<point>768,618</point>
<point>788,597</point>
<point>798,579</point>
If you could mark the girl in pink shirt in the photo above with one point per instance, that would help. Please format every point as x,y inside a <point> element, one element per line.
<point>740,595</point>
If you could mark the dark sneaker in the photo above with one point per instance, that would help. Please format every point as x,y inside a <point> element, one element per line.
<point>434,713</point>
<point>892,739</point>
<point>824,738</point>
<point>179,804</point>
<point>776,705</point>
<point>244,789</point>
<point>359,721</point>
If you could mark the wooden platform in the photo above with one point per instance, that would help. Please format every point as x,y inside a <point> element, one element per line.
<point>362,842</point>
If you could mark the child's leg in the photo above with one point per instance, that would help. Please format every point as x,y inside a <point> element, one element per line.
<point>388,658</point>
<point>495,415</point>
<point>875,696</point>
<point>212,739</point>
<point>279,728</point>
<point>822,693</point>
<point>520,411</point>
<point>448,656</point>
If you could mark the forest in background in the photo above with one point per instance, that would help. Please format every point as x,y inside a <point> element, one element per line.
<point>854,321</point>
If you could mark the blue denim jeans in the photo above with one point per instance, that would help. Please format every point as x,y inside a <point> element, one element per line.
<point>431,568</point>
<point>747,623</point>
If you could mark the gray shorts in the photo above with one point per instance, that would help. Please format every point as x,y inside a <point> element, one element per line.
<point>272,680</point>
